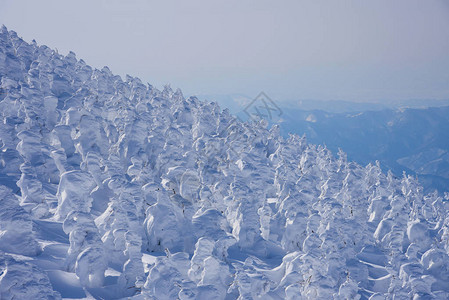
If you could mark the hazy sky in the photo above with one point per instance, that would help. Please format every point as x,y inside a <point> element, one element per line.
<point>292,49</point>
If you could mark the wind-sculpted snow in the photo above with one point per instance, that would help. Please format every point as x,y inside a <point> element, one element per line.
<point>16,235</point>
<point>22,280</point>
<point>111,188</point>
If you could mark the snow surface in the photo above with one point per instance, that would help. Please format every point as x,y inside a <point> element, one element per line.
<point>110,188</point>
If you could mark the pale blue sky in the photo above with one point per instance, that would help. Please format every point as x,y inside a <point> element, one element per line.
<point>292,49</point>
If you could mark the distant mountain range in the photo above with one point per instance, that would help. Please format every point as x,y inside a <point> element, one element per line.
<point>236,102</point>
<point>410,136</point>
<point>412,140</point>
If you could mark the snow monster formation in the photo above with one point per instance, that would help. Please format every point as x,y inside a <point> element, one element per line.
<point>110,188</point>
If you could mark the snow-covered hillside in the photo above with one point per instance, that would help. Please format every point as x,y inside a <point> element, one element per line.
<point>408,139</point>
<point>111,188</point>
<point>411,136</point>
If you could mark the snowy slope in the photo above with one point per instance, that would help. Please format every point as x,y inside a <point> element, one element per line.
<point>411,140</point>
<point>111,188</point>
<point>407,136</point>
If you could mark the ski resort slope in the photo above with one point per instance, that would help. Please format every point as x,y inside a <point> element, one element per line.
<point>110,188</point>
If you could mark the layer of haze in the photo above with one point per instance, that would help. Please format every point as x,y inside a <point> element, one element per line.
<point>350,50</point>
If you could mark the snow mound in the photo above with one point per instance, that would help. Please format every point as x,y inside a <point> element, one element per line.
<point>22,280</point>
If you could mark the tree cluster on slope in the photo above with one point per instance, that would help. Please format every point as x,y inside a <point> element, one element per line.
<point>239,211</point>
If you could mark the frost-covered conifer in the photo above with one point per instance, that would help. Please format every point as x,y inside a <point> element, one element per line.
<point>15,226</point>
<point>86,255</point>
